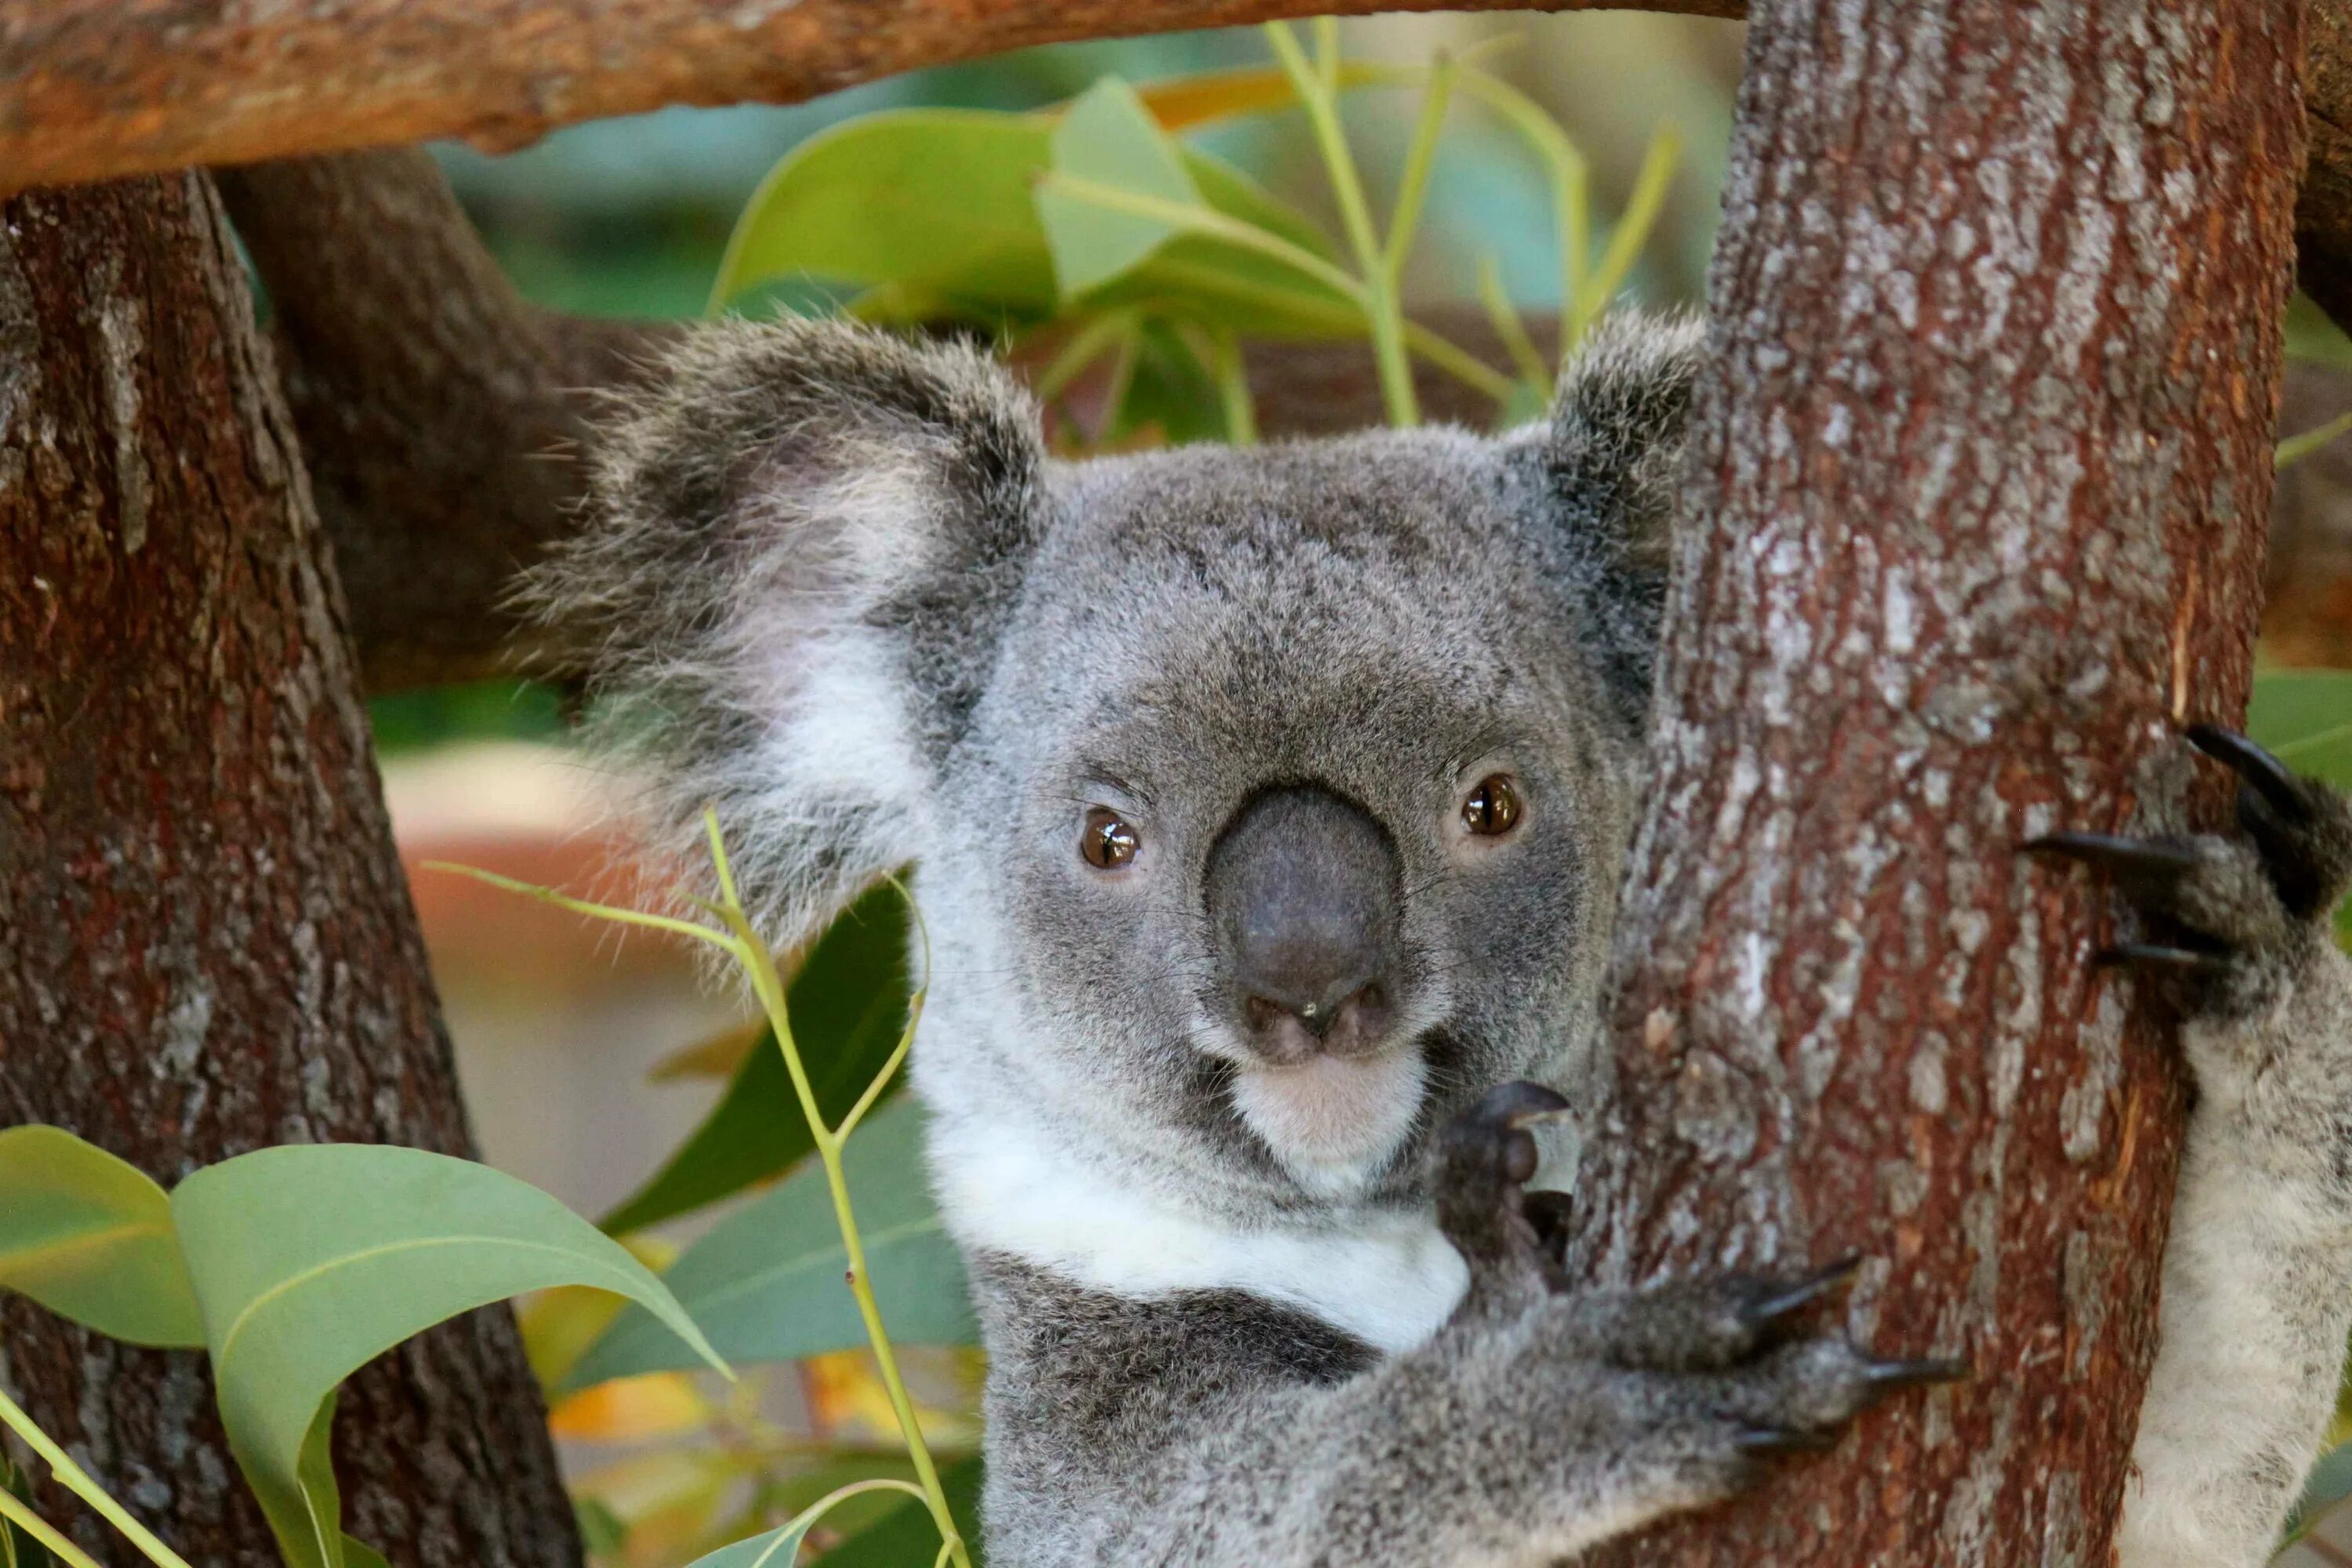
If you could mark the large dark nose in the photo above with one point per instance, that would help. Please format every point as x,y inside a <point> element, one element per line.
<point>1303,888</point>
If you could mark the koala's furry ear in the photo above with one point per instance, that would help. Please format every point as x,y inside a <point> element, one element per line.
<point>1616,435</point>
<point>1610,461</point>
<point>799,550</point>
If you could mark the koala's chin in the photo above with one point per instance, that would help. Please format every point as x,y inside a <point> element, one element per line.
<point>1334,1123</point>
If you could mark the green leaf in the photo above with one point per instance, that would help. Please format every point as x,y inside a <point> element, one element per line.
<point>906,1535</point>
<point>91,1239</point>
<point>848,1006</point>
<point>777,1549</point>
<point>1107,137</point>
<point>311,1260</point>
<point>766,1283</point>
<point>931,212</point>
<point>2306,716</point>
<point>930,199</point>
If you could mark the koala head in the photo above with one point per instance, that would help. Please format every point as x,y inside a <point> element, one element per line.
<point>1265,805</point>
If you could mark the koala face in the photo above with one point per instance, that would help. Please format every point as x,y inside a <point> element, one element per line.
<point>1267,806</point>
<point>1361,783</point>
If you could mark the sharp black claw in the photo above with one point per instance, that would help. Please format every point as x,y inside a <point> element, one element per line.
<point>1797,1294</point>
<point>2265,774</point>
<point>1892,1375</point>
<point>2136,857</point>
<point>1519,1104</point>
<point>1783,1440</point>
<point>2158,956</point>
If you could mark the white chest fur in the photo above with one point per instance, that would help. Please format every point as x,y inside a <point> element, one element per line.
<point>1388,1277</point>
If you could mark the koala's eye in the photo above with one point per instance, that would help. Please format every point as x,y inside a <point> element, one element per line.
<point>1110,840</point>
<point>1492,809</point>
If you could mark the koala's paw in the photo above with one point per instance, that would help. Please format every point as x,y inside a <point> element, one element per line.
<point>1720,1431</point>
<point>1707,1325</point>
<point>1511,1238</point>
<point>2229,924</point>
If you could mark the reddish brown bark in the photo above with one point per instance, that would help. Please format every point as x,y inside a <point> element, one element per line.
<point>97,89</point>
<point>1975,510</point>
<point>208,945</point>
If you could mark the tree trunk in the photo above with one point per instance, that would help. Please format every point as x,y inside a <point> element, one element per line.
<point>208,943</point>
<point>1974,510</point>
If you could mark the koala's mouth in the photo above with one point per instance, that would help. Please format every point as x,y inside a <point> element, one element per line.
<point>1335,1123</point>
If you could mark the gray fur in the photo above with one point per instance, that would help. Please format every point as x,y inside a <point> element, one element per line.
<point>2258,1275</point>
<point>844,597</point>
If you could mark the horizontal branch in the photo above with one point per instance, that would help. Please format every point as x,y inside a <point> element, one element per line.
<point>93,89</point>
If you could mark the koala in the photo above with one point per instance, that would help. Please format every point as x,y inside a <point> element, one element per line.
<point>1268,808</point>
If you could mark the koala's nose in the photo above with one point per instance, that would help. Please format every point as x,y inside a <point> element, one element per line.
<point>1303,889</point>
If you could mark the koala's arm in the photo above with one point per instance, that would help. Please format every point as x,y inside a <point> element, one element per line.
<point>2257,1289</point>
<point>1215,1429</point>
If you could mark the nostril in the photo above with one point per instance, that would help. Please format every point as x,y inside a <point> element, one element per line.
<point>1354,1024</point>
<point>1264,1016</point>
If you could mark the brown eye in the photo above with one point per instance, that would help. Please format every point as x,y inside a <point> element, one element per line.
<point>1109,841</point>
<point>1492,809</point>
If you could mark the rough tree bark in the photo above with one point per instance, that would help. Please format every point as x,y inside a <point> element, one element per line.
<point>1975,509</point>
<point>96,89</point>
<point>208,944</point>
<point>439,412</point>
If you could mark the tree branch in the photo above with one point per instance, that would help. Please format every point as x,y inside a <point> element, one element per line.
<point>438,411</point>
<point>96,89</point>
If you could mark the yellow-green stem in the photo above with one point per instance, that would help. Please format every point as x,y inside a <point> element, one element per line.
<point>19,1513</point>
<point>1632,229</point>
<point>1381,303</point>
<point>1569,185</point>
<point>71,1477</point>
<point>1508,328</point>
<point>1419,162</point>
<point>769,986</point>
<point>1459,363</point>
<point>1233,386</point>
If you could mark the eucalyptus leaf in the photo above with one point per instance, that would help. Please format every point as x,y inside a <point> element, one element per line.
<point>89,1237</point>
<point>1109,138</point>
<point>766,1284</point>
<point>905,1534</point>
<point>777,1549</point>
<point>2306,716</point>
<point>848,1006</point>
<point>936,199</point>
<point>310,1260</point>
<point>931,213</point>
